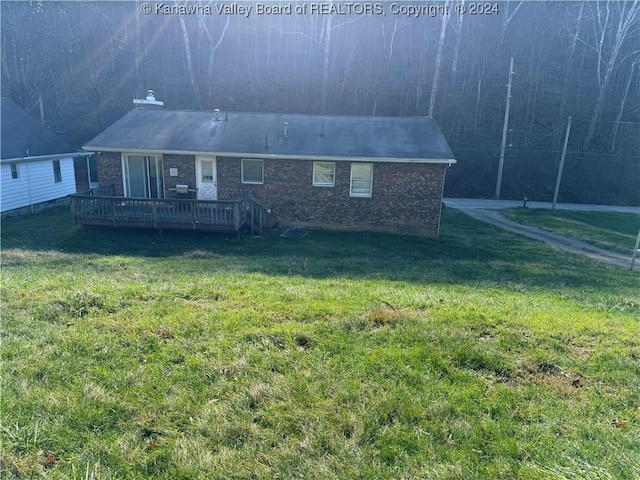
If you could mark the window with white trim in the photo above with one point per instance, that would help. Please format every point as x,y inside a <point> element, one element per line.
<point>15,173</point>
<point>252,171</point>
<point>361,179</point>
<point>57,172</point>
<point>324,174</point>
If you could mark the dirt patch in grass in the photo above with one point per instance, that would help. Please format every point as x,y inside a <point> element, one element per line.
<point>200,254</point>
<point>387,315</point>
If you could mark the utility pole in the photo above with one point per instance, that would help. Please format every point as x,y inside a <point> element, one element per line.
<point>635,250</point>
<point>561,167</point>
<point>504,133</point>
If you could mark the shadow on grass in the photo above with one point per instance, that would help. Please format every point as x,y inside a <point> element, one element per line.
<point>468,251</point>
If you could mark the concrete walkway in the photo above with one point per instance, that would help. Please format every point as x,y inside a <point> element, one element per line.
<point>488,211</point>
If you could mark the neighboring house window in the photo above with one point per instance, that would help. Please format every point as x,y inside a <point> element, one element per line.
<point>143,176</point>
<point>361,179</point>
<point>57,173</point>
<point>324,174</point>
<point>15,173</point>
<point>252,171</point>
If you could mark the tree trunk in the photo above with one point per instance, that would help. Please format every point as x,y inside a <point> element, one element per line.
<point>213,47</point>
<point>436,72</point>
<point>326,62</point>
<point>624,100</point>
<point>608,54</point>
<point>456,50</point>
<point>476,117</point>
<point>567,74</point>
<point>187,50</point>
<point>506,19</point>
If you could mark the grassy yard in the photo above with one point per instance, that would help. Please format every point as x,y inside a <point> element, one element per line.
<point>608,230</point>
<point>484,355</point>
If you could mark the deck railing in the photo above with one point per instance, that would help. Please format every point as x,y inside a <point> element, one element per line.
<point>102,191</point>
<point>89,208</point>
<point>256,212</point>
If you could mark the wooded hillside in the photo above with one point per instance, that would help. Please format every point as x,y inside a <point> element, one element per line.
<point>89,60</point>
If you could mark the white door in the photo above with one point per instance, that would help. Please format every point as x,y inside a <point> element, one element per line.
<point>206,178</point>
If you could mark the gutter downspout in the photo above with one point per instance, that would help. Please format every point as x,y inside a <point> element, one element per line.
<point>29,186</point>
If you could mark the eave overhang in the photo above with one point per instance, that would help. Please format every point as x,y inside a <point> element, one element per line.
<point>276,156</point>
<point>39,158</point>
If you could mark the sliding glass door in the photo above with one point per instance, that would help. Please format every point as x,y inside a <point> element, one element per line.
<point>143,176</point>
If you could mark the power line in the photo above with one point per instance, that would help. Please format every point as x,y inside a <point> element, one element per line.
<point>520,151</point>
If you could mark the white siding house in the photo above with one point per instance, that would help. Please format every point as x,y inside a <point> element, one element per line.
<point>28,182</point>
<point>36,165</point>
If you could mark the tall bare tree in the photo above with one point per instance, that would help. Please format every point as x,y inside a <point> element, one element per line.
<point>507,17</point>
<point>616,125</point>
<point>614,23</point>
<point>187,50</point>
<point>444,21</point>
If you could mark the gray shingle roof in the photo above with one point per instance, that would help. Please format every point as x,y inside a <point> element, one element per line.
<point>22,133</point>
<point>309,136</point>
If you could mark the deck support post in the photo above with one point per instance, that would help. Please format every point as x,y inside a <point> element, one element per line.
<point>253,209</point>
<point>154,210</point>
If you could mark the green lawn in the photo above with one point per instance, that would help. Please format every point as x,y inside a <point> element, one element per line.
<point>609,230</point>
<point>127,355</point>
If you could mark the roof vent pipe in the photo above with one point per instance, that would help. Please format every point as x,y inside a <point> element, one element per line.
<point>286,129</point>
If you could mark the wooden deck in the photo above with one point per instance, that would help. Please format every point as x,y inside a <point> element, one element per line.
<point>100,207</point>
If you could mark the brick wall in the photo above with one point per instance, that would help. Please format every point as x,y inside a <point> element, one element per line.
<point>406,196</point>
<point>186,166</point>
<point>110,170</point>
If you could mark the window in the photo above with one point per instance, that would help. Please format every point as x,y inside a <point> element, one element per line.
<point>207,171</point>
<point>252,171</point>
<point>143,176</point>
<point>14,171</point>
<point>361,179</point>
<point>324,174</point>
<point>57,173</point>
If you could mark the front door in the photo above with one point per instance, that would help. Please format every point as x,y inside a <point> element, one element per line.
<point>206,178</point>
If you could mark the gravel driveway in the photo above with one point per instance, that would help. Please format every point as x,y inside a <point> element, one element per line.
<point>489,211</point>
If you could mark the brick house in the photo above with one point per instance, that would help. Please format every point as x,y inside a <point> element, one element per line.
<point>336,172</point>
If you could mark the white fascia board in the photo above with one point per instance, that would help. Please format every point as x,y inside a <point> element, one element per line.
<point>275,156</point>
<point>329,158</point>
<point>39,158</point>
